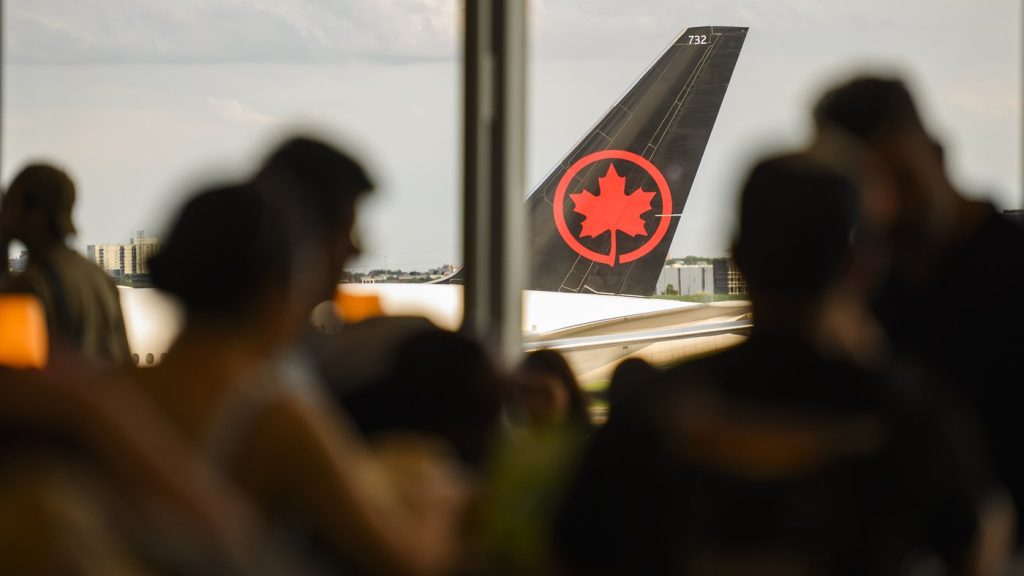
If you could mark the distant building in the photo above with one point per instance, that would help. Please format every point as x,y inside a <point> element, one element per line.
<point>728,279</point>
<point>125,262</point>
<point>109,257</point>
<point>687,280</point>
<point>142,247</point>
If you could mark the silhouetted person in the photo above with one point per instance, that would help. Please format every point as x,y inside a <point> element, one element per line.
<point>83,311</point>
<point>441,384</point>
<point>529,471</point>
<point>958,265</point>
<point>93,481</point>
<point>227,385</point>
<point>629,375</point>
<point>793,452</point>
<point>316,186</point>
<point>547,392</point>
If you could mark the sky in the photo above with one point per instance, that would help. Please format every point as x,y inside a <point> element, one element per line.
<point>145,102</point>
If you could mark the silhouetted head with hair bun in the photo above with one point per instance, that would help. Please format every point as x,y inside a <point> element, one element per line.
<point>226,250</point>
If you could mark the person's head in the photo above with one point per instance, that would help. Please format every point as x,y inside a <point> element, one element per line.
<point>317,186</point>
<point>37,206</point>
<point>446,383</point>
<point>228,259</point>
<point>629,375</point>
<point>869,107</point>
<point>881,112</point>
<point>798,221</point>
<point>547,392</point>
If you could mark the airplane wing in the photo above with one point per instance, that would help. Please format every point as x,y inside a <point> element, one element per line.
<point>660,337</point>
<point>594,331</point>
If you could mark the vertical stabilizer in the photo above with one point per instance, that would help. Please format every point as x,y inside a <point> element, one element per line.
<point>603,219</point>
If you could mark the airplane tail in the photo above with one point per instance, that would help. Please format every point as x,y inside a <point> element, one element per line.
<point>603,219</point>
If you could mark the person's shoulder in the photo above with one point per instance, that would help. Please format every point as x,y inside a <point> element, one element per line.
<point>664,388</point>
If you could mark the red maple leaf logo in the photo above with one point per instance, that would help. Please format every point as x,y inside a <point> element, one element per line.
<point>612,211</point>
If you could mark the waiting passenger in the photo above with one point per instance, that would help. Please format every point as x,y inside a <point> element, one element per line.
<point>797,451</point>
<point>441,384</point>
<point>548,394</point>
<point>231,261</point>
<point>83,310</point>
<point>940,239</point>
<point>531,466</point>
<point>629,376</point>
<point>93,481</point>
<point>316,187</point>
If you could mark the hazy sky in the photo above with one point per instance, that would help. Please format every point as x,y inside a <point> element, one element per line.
<point>143,101</point>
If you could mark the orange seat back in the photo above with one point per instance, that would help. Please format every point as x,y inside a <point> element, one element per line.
<point>356,307</point>
<point>23,337</point>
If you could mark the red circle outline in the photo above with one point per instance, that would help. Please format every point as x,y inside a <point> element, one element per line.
<point>559,209</point>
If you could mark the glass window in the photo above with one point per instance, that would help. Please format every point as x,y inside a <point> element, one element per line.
<point>142,101</point>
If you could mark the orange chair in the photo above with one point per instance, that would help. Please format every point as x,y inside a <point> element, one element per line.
<point>23,337</point>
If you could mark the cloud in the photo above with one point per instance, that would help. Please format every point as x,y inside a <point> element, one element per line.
<point>237,112</point>
<point>199,31</point>
<point>986,101</point>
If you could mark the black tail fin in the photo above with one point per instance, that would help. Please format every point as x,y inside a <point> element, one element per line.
<point>603,219</point>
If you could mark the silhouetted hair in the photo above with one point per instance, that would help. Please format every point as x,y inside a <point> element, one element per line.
<point>868,107</point>
<point>224,249</point>
<point>797,223</point>
<point>317,178</point>
<point>441,383</point>
<point>48,188</point>
<point>629,375</point>
<point>547,361</point>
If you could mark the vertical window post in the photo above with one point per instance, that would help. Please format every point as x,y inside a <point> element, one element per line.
<point>493,165</point>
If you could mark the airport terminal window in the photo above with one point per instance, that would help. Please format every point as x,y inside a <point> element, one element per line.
<point>142,102</point>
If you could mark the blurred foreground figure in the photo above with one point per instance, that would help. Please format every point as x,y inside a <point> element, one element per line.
<point>796,452</point>
<point>92,481</point>
<point>315,187</point>
<point>439,384</point>
<point>630,374</point>
<point>83,311</point>
<point>942,242</point>
<point>231,385</point>
<point>393,375</point>
<point>548,424</point>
